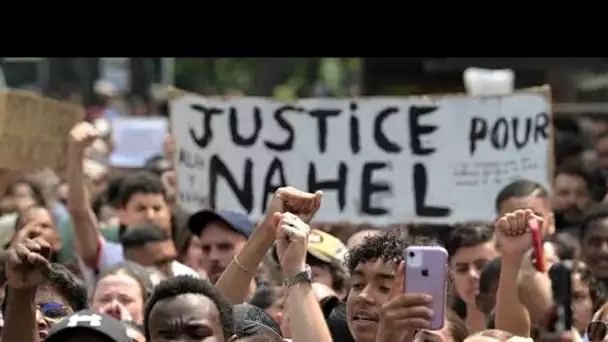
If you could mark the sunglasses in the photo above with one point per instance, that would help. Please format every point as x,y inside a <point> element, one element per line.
<point>53,311</point>
<point>596,330</point>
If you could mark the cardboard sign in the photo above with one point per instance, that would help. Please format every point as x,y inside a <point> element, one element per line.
<point>380,160</point>
<point>136,140</point>
<point>34,130</point>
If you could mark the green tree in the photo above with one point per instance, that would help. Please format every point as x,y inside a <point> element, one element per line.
<point>286,78</point>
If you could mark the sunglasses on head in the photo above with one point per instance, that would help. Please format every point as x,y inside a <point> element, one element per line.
<point>53,311</point>
<point>596,330</point>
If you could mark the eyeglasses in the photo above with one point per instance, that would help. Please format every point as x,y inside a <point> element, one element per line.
<point>596,330</point>
<point>53,311</point>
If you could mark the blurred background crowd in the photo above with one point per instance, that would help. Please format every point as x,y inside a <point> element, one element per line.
<point>110,88</point>
<point>139,81</point>
<point>137,87</point>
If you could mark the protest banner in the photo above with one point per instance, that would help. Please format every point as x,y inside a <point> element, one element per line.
<point>136,140</point>
<point>379,160</point>
<point>34,130</point>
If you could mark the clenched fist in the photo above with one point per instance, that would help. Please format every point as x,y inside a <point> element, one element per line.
<point>82,136</point>
<point>27,264</point>
<point>292,242</point>
<point>300,203</point>
<point>514,233</point>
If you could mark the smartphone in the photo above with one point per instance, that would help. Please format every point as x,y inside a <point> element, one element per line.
<point>561,285</point>
<point>426,271</point>
<point>538,254</point>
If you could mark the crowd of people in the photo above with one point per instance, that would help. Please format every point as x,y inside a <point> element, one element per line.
<point>108,255</point>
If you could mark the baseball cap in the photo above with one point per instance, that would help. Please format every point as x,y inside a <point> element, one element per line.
<point>88,322</point>
<point>250,320</point>
<point>323,246</point>
<point>237,221</point>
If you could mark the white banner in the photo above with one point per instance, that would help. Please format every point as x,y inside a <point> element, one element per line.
<point>136,140</point>
<point>379,160</point>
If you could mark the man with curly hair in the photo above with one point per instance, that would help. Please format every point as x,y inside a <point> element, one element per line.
<point>188,308</point>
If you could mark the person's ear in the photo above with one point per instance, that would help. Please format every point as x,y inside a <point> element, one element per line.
<point>232,338</point>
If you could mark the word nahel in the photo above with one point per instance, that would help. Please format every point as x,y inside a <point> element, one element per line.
<point>378,160</point>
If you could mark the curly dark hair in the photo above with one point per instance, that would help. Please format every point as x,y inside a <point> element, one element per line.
<point>180,285</point>
<point>597,291</point>
<point>387,246</point>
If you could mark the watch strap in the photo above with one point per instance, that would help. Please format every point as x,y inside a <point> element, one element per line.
<point>304,276</point>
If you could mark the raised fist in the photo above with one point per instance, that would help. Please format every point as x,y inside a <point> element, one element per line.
<point>300,203</point>
<point>514,232</point>
<point>27,263</point>
<point>82,136</point>
<point>292,242</point>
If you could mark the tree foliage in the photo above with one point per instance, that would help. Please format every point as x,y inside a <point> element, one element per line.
<point>284,78</point>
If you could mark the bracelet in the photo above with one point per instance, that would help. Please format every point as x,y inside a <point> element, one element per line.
<point>236,261</point>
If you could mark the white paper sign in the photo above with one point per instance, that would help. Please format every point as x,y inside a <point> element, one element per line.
<point>378,160</point>
<point>136,140</point>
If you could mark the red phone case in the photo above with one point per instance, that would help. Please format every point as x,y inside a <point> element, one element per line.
<point>538,255</point>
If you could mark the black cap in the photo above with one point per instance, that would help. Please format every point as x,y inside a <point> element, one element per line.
<point>239,222</point>
<point>250,320</point>
<point>88,322</point>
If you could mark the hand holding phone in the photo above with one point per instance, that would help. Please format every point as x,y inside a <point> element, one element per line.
<point>426,272</point>
<point>402,315</point>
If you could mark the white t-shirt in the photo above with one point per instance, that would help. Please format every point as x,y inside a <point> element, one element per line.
<point>110,254</point>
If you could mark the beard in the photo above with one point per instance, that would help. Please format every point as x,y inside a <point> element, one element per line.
<point>572,213</point>
<point>215,272</point>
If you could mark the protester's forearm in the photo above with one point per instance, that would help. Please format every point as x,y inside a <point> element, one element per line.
<point>306,318</point>
<point>510,314</point>
<point>77,195</point>
<point>20,317</point>
<point>535,293</point>
<point>84,222</point>
<point>234,282</point>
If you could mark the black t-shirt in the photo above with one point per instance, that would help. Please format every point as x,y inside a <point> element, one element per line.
<point>334,311</point>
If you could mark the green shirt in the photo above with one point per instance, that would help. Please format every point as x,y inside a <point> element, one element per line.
<point>68,251</point>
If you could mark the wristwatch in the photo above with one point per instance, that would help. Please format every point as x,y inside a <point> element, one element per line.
<point>304,276</point>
